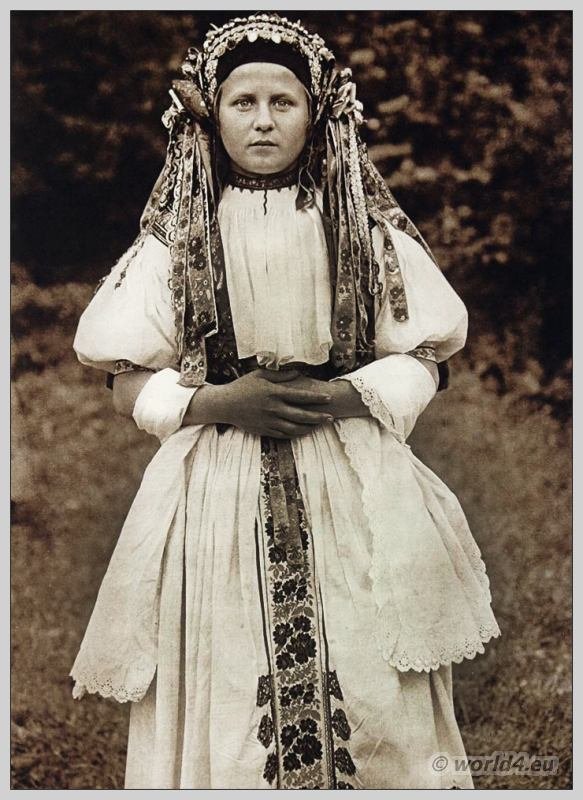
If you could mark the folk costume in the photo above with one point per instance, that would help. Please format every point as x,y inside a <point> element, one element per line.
<point>282,613</point>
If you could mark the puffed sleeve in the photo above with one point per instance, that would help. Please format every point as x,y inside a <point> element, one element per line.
<point>396,387</point>
<point>437,315</point>
<point>129,324</point>
<point>130,318</point>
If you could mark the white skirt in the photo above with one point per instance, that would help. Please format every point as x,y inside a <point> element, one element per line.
<point>269,675</point>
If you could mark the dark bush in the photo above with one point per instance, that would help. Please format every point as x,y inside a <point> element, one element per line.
<point>469,117</point>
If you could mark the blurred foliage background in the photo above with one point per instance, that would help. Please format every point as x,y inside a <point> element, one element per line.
<point>469,118</point>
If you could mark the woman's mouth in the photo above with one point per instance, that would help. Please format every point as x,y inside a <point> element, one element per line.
<point>263,143</point>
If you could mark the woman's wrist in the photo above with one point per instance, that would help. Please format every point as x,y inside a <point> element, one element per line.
<point>346,400</point>
<point>206,406</point>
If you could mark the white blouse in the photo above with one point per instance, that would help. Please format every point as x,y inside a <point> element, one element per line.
<point>419,565</point>
<point>278,277</point>
<point>279,291</point>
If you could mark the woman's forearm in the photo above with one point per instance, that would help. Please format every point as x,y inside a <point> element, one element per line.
<point>126,388</point>
<point>347,402</point>
<point>431,367</point>
<point>204,407</point>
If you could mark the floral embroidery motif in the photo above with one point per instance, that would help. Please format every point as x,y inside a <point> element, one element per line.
<point>297,700</point>
<point>305,753</point>
<point>270,771</point>
<point>265,734</point>
<point>334,686</point>
<point>344,762</point>
<point>340,724</point>
<point>263,690</point>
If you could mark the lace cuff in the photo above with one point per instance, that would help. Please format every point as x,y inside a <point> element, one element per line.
<point>396,389</point>
<point>161,405</point>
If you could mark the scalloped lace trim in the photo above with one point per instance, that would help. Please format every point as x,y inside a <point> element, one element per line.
<point>122,694</point>
<point>411,657</point>
<point>377,408</point>
<point>440,656</point>
<point>96,683</point>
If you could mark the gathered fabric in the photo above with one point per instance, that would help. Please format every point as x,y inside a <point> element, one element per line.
<point>394,589</point>
<point>278,277</point>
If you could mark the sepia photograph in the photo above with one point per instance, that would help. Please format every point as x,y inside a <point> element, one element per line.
<point>291,399</point>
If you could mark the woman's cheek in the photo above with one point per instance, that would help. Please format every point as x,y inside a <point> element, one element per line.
<point>232,133</point>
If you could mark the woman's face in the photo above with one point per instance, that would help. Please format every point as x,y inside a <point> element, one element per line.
<point>263,118</point>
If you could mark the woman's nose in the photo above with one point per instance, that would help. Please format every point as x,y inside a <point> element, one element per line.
<point>263,120</point>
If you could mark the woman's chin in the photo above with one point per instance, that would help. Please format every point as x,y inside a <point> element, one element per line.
<point>263,166</point>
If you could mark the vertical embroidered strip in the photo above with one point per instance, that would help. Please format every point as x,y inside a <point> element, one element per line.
<point>304,727</point>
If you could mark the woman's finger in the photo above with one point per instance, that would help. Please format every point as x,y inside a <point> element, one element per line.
<point>305,397</point>
<point>279,375</point>
<point>292,428</point>
<point>319,408</point>
<point>275,434</point>
<point>303,416</point>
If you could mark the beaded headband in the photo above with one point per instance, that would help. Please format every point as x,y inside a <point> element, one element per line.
<point>202,66</point>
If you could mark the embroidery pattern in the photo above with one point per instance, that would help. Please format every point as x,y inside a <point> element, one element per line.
<point>123,365</point>
<point>304,750</point>
<point>280,180</point>
<point>393,276</point>
<point>352,256</point>
<point>301,730</point>
<point>426,351</point>
<point>343,762</point>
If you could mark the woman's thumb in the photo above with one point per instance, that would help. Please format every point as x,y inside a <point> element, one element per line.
<point>280,375</point>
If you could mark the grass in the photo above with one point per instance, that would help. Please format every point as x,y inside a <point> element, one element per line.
<point>76,468</point>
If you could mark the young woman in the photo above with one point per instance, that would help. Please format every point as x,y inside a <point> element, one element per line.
<point>291,585</point>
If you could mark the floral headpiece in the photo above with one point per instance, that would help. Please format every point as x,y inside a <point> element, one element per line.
<point>182,207</point>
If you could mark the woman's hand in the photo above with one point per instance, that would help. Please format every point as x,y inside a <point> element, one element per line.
<point>280,403</point>
<point>265,402</point>
<point>346,400</point>
<point>275,403</point>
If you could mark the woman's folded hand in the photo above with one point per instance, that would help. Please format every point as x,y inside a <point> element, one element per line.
<point>279,403</point>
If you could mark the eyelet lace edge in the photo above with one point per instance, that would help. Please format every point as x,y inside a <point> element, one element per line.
<point>405,661</point>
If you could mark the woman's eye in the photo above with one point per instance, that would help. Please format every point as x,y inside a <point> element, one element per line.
<point>281,103</point>
<point>243,104</point>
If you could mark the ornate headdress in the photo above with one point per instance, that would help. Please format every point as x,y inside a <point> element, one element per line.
<point>182,206</point>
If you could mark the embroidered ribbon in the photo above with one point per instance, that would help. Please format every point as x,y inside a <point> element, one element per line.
<point>308,743</point>
<point>181,212</point>
<point>349,317</point>
<point>281,490</point>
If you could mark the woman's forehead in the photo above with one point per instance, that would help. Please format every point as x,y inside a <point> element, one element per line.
<point>259,75</point>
